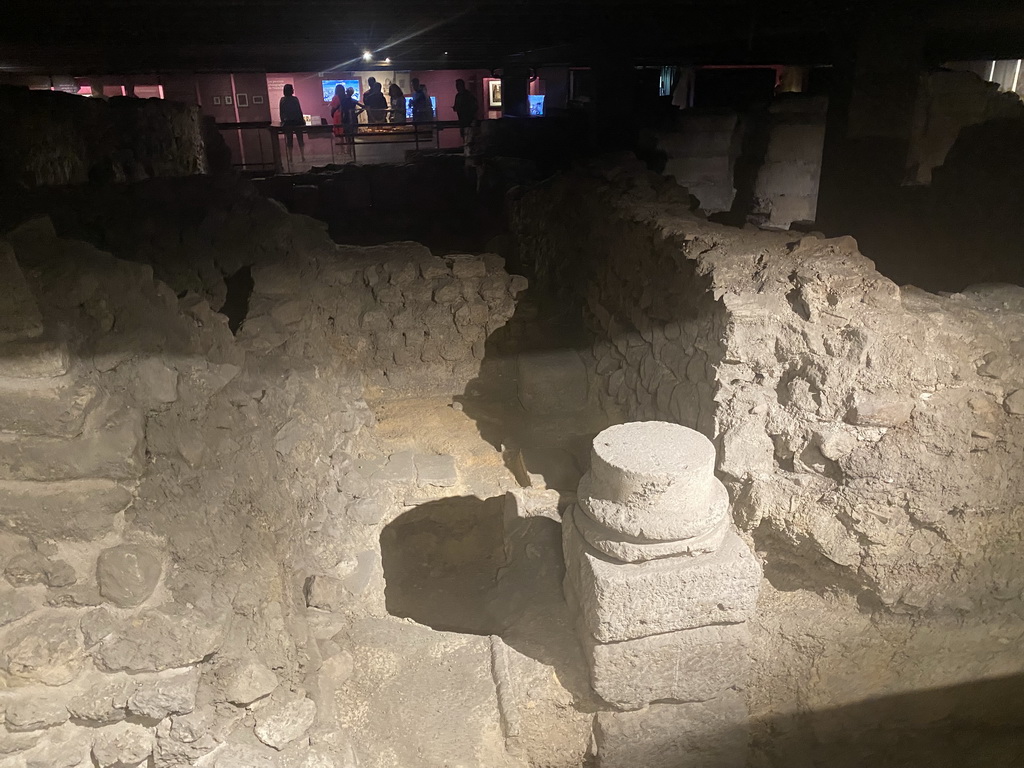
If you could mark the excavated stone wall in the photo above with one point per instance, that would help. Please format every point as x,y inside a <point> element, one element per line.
<point>414,323</point>
<point>186,520</point>
<point>819,379</point>
<point>50,137</point>
<point>870,435</point>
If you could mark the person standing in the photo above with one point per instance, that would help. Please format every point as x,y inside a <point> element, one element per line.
<point>349,108</point>
<point>397,98</point>
<point>293,122</point>
<point>375,102</point>
<point>466,107</point>
<point>422,110</point>
<point>336,113</point>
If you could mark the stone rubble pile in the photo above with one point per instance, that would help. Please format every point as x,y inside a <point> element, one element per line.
<point>662,587</point>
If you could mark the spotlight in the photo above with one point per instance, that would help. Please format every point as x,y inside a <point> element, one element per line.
<point>387,60</point>
<point>367,56</point>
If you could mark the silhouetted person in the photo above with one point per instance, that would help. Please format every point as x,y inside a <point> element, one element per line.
<point>466,107</point>
<point>350,117</point>
<point>375,101</point>
<point>422,111</point>
<point>336,113</point>
<point>291,118</point>
<point>397,97</point>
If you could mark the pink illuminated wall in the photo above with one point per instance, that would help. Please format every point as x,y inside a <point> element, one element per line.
<point>307,90</point>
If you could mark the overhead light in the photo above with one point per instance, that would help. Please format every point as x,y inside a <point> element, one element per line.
<point>387,60</point>
<point>367,56</point>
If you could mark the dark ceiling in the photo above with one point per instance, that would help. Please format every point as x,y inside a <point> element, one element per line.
<point>121,36</point>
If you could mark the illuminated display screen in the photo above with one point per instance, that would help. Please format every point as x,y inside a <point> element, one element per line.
<point>408,106</point>
<point>330,85</point>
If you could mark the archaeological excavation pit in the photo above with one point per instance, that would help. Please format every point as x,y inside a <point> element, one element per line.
<point>669,413</point>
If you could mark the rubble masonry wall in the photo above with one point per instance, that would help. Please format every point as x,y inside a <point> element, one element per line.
<point>50,137</point>
<point>869,434</point>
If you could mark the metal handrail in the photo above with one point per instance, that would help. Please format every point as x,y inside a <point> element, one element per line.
<point>411,132</point>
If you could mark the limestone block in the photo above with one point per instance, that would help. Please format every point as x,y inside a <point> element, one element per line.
<point>111,446</point>
<point>1014,403</point>
<point>123,745</point>
<point>238,756</point>
<point>96,625</point>
<point>26,568</point>
<point>281,721</point>
<point>437,471</point>
<point>399,468</point>
<point>434,268</point>
<point>166,696</point>
<point>652,481</point>
<point>622,601</point>
<point>689,665</point>
<point>44,649</point>
<point>44,357</point>
<point>630,550</point>
<point>400,661</point>
<point>155,382</point>
<point>448,292</point>
<point>366,511</point>
<point>14,605</point>
<point>59,410</point>
<point>879,409</point>
<point>66,748</point>
<point>711,734</point>
<point>243,681</point>
<point>127,574</point>
<point>103,703</point>
<point>11,743</point>
<point>326,593</point>
<point>747,448</point>
<point>153,641</point>
<point>468,266</point>
<point>19,314</point>
<point>553,382</point>
<point>35,712</point>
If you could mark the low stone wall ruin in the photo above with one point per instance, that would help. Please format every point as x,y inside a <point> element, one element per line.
<point>50,137</point>
<point>869,434</point>
<point>177,502</point>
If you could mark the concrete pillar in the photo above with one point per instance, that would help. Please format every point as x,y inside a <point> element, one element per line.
<point>870,120</point>
<point>661,586</point>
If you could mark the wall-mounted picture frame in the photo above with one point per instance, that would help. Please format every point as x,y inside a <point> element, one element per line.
<point>242,99</point>
<point>257,98</point>
<point>216,101</point>
<point>228,101</point>
<point>494,93</point>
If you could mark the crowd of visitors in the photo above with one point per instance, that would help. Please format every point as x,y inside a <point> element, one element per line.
<point>390,108</point>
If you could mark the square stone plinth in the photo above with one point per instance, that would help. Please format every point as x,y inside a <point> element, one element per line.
<point>711,734</point>
<point>623,601</point>
<point>689,665</point>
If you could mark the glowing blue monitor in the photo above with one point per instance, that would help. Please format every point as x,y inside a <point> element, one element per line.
<point>536,106</point>
<point>330,85</point>
<point>408,106</point>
